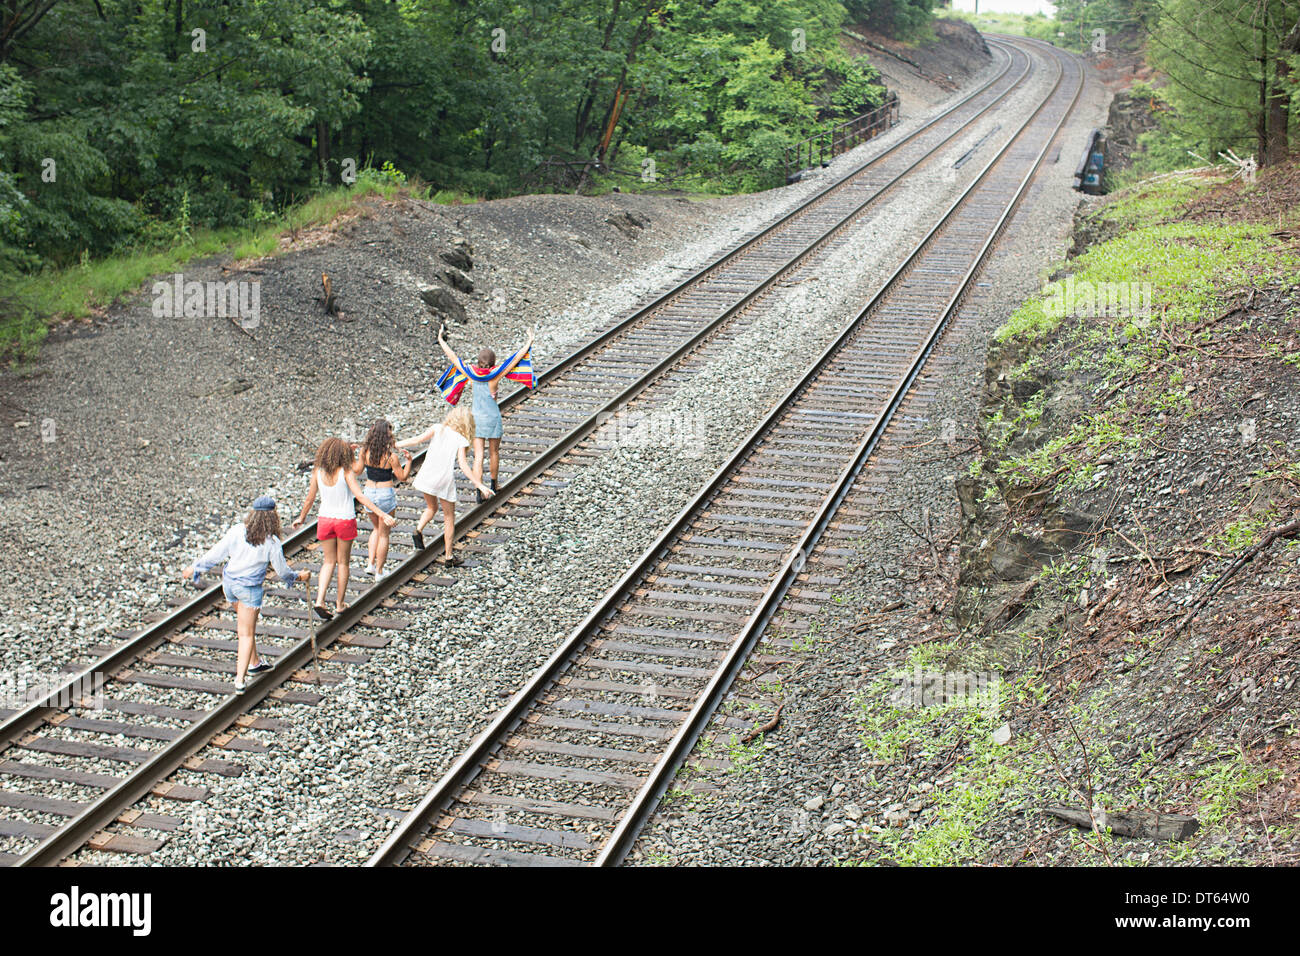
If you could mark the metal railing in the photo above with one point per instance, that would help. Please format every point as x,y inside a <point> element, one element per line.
<point>830,142</point>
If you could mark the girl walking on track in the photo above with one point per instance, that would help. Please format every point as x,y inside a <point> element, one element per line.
<point>336,525</point>
<point>383,470</point>
<point>437,479</point>
<point>247,549</point>
<point>486,376</point>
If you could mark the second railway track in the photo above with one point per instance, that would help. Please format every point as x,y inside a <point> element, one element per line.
<point>574,396</point>
<point>569,770</point>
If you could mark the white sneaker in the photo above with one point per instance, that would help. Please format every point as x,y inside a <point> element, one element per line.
<point>370,569</point>
<point>240,686</point>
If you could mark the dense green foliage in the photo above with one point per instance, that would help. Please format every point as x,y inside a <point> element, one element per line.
<point>1232,74</point>
<point>128,124</point>
<point>1228,73</point>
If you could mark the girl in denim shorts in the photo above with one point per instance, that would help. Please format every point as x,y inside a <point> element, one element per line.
<point>383,470</point>
<point>247,549</point>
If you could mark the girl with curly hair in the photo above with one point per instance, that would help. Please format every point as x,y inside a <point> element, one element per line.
<point>336,525</point>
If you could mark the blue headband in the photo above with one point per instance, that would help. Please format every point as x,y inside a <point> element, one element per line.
<point>264,503</point>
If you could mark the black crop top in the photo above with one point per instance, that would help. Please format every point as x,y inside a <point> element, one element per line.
<point>378,474</point>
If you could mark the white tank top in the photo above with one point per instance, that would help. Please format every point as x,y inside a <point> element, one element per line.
<point>335,502</point>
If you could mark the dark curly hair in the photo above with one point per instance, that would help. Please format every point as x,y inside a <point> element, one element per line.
<point>379,444</point>
<point>260,525</point>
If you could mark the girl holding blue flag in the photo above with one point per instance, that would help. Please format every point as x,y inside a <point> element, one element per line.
<point>486,375</point>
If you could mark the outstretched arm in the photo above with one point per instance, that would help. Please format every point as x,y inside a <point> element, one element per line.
<point>509,366</point>
<point>464,467</point>
<point>419,439</point>
<point>216,554</point>
<point>446,349</point>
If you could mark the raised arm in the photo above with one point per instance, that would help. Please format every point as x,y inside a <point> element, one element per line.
<point>446,349</point>
<point>509,366</point>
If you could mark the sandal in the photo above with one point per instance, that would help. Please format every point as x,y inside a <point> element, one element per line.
<point>418,539</point>
<point>341,608</point>
<point>324,613</point>
<point>454,561</point>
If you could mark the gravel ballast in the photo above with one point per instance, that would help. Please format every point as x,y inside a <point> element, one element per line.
<point>385,734</point>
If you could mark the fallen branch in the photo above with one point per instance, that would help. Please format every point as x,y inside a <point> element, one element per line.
<point>1289,530</point>
<point>766,728</point>
<point>1143,824</point>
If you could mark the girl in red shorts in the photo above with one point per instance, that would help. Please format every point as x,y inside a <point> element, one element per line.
<point>336,525</point>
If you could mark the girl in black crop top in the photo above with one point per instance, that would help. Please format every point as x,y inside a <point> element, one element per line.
<point>384,469</point>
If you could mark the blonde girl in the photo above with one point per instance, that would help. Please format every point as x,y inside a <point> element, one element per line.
<point>336,525</point>
<point>437,478</point>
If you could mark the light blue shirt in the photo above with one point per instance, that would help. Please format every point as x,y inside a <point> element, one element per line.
<point>246,563</point>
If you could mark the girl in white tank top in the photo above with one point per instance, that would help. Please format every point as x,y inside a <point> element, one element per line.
<point>336,525</point>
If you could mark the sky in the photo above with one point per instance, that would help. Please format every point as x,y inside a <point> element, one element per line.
<point>1005,6</point>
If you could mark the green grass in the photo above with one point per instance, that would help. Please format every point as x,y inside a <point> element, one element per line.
<point>53,295</point>
<point>1188,265</point>
<point>1012,24</point>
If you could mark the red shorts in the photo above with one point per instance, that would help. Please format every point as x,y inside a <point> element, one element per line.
<point>345,529</point>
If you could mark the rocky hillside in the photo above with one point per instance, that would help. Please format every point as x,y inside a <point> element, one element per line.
<point>1130,550</point>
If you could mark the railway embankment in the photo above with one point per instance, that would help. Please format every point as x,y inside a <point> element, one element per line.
<point>1130,549</point>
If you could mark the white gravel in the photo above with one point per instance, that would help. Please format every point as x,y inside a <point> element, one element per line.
<point>389,731</point>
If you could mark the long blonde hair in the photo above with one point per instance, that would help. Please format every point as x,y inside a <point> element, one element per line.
<point>461,419</point>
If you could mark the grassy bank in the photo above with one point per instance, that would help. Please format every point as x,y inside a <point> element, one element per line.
<point>1130,571</point>
<point>31,304</point>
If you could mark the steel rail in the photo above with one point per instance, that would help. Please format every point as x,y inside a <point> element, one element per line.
<point>647,799</point>
<point>26,719</point>
<point>104,809</point>
<point>466,767</point>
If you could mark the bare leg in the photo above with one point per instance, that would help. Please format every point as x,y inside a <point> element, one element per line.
<point>448,525</point>
<point>329,557</point>
<point>345,570</point>
<point>372,543</point>
<point>478,460</point>
<point>246,626</point>
<point>494,449</point>
<point>381,536</point>
<point>430,508</point>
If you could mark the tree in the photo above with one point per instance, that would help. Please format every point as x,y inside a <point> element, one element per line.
<point>1230,70</point>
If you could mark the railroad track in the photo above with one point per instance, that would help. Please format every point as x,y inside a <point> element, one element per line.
<point>174,656</point>
<point>577,760</point>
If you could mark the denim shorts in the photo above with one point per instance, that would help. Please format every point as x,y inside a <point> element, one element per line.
<point>243,593</point>
<point>385,499</point>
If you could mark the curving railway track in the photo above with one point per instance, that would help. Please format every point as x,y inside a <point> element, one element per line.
<point>53,740</point>
<point>574,764</point>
